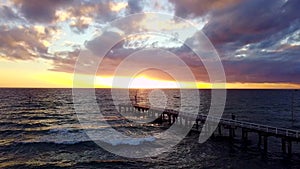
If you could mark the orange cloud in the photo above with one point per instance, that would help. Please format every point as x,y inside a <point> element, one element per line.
<point>116,7</point>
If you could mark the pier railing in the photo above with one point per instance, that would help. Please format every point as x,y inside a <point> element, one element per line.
<point>264,131</point>
<point>253,126</point>
<point>277,131</point>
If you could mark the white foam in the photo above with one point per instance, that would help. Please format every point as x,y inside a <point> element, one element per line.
<point>69,136</point>
<point>59,136</point>
<point>130,141</point>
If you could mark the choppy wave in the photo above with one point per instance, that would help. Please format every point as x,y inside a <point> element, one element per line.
<point>131,141</point>
<point>67,136</point>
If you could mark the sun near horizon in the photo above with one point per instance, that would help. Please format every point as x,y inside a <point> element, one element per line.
<point>35,75</point>
<point>31,74</point>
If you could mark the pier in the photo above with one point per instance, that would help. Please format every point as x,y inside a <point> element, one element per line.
<point>169,116</point>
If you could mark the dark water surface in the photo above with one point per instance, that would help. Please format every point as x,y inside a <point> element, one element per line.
<point>39,129</point>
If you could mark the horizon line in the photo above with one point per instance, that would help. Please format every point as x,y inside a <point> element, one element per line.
<point>149,88</point>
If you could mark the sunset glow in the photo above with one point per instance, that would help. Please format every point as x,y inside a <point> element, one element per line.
<point>37,75</point>
<point>144,82</point>
<point>41,42</point>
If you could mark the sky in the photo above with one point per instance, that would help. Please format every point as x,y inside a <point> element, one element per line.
<point>257,41</point>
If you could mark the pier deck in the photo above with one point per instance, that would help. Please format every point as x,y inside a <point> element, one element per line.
<point>287,136</point>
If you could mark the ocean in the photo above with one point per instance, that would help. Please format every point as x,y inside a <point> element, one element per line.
<point>40,129</point>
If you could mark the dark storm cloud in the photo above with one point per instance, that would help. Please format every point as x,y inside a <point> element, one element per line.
<point>251,21</point>
<point>24,43</point>
<point>134,6</point>
<point>195,8</point>
<point>265,67</point>
<point>66,61</point>
<point>45,11</point>
<point>103,42</point>
<point>40,11</point>
<point>262,70</point>
<point>98,11</point>
<point>81,13</point>
<point>249,36</point>
<point>7,14</point>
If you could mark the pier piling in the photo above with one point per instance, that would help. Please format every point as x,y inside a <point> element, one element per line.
<point>265,143</point>
<point>287,136</point>
<point>283,145</point>
<point>220,130</point>
<point>289,147</point>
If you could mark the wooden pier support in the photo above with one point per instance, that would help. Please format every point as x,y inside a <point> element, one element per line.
<point>287,136</point>
<point>289,147</point>
<point>283,145</point>
<point>231,132</point>
<point>169,118</point>
<point>265,143</point>
<point>244,134</point>
<point>259,139</point>
<point>220,130</point>
<point>286,146</point>
<point>174,118</point>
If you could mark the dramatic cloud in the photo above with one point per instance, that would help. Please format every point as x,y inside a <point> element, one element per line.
<point>84,14</point>
<point>25,42</point>
<point>192,8</point>
<point>7,14</point>
<point>134,6</point>
<point>65,61</point>
<point>263,71</point>
<point>79,14</point>
<point>40,11</point>
<point>98,44</point>
<point>258,40</point>
<point>251,21</point>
